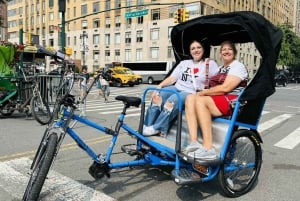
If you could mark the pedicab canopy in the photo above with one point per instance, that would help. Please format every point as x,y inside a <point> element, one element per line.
<point>239,27</point>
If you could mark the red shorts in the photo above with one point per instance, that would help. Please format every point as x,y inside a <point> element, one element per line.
<point>222,103</point>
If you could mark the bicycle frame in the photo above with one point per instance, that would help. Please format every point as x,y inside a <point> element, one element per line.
<point>67,114</point>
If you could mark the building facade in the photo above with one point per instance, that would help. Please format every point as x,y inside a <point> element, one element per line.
<point>3,22</point>
<point>102,32</point>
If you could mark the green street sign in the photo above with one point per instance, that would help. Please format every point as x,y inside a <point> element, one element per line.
<point>136,13</point>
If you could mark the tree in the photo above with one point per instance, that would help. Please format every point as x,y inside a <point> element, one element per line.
<point>289,56</point>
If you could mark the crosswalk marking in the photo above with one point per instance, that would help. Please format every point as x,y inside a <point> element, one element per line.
<point>270,123</point>
<point>290,141</point>
<point>57,187</point>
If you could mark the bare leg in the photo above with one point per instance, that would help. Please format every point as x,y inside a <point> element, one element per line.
<point>191,117</point>
<point>206,108</point>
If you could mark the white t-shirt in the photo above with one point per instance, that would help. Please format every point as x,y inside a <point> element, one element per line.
<point>191,76</point>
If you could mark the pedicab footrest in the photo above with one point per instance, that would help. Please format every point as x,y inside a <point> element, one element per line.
<point>185,176</point>
<point>205,162</point>
<point>131,149</point>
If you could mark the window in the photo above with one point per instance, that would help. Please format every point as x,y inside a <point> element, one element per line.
<point>170,52</point>
<point>118,21</point>
<point>127,55</point>
<point>128,21</point>
<point>75,40</point>
<point>139,36</point>
<point>51,42</point>
<point>107,55</point>
<point>68,41</point>
<point>155,14</point>
<point>128,37</point>
<point>74,11</point>
<point>51,16</point>
<point>118,4</point>
<point>128,3</point>
<point>96,23</point>
<point>96,55</point>
<point>83,9</point>
<point>43,18</point>
<point>140,20</point>
<point>117,55</point>
<point>154,34</point>
<point>96,39</point>
<point>154,51</point>
<point>107,22</point>
<point>107,5</point>
<point>84,24</point>
<point>140,2</point>
<point>96,7</point>
<point>139,54</point>
<point>117,38</point>
<point>107,39</point>
<point>51,3</point>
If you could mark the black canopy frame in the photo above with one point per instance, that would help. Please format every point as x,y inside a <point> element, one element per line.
<point>239,27</point>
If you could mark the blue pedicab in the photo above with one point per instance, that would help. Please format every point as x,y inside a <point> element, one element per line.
<point>235,137</point>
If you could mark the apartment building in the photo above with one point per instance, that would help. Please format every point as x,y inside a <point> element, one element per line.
<point>102,32</point>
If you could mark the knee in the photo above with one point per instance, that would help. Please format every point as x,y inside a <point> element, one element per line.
<point>169,106</point>
<point>156,100</point>
<point>202,101</point>
<point>189,101</point>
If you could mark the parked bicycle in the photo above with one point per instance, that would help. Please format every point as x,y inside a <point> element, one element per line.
<point>236,137</point>
<point>27,99</point>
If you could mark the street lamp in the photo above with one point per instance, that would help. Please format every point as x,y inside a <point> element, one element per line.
<point>84,46</point>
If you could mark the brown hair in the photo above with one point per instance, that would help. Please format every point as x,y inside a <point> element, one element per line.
<point>231,44</point>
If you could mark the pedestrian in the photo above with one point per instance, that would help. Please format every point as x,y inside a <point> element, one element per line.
<point>83,86</point>
<point>104,88</point>
<point>189,76</point>
<point>216,101</point>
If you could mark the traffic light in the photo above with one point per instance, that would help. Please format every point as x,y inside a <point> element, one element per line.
<point>185,15</point>
<point>178,15</point>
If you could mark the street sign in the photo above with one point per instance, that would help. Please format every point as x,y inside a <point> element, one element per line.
<point>136,13</point>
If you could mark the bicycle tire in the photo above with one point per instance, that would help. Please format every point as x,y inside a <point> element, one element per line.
<point>40,110</point>
<point>40,149</point>
<point>240,169</point>
<point>40,171</point>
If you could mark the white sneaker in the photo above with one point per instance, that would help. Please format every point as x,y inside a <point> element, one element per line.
<point>193,146</point>
<point>203,153</point>
<point>149,130</point>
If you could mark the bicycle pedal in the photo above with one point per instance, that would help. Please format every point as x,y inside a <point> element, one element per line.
<point>186,176</point>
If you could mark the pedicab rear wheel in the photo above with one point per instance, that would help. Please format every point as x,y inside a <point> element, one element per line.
<point>240,169</point>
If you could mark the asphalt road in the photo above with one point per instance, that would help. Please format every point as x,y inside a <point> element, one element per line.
<point>69,178</point>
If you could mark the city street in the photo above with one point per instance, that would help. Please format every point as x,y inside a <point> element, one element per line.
<point>69,179</point>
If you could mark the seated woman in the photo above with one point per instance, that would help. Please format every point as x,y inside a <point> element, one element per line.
<point>201,107</point>
<point>188,76</point>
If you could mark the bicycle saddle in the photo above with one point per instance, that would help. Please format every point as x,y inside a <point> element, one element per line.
<point>128,100</point>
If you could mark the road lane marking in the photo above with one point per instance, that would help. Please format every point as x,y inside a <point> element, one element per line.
<point>14,178</point>
<point>270,123</point>
<point>290,141</point>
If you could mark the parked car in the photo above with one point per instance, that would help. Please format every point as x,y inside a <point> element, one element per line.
<point>281,80</point>
<point>295,79</point>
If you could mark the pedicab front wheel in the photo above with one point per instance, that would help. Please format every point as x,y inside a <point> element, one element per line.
<point>242,164</point>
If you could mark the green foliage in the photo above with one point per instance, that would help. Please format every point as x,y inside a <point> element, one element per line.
<point>290,47</point>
